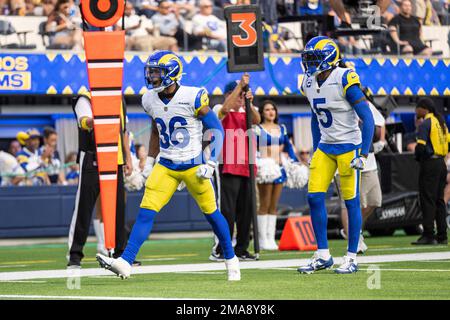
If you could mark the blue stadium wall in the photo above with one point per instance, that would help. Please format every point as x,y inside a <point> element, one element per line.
<point>47,211</point>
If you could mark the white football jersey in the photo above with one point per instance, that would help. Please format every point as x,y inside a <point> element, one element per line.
<point>338,121</point>
<point>180,132</point>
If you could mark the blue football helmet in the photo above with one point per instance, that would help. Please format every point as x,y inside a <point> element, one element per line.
<point>162,69</point>
<point>320,54</point>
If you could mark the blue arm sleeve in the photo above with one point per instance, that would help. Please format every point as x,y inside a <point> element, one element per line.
<point>211,122</point>
<point>315,131</point>
<point>356,98</point>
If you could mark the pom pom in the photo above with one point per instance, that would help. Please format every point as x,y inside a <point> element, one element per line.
<point>136,180</point>
<point>267,170</point>
<point>297,175</point>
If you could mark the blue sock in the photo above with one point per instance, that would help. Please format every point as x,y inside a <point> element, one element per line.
<point>319,218</point>
<point>140,232</point>
<point>354,223</point>
<point>222,231</point>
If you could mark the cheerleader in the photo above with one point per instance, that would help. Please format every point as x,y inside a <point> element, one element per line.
<point>272,140</point>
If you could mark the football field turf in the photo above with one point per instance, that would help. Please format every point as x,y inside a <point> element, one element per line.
<point>174,269</point>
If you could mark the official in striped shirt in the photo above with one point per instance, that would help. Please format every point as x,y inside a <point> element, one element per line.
<point>88,185</point>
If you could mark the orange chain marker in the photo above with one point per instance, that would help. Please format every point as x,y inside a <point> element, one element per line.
<point>104,58</point>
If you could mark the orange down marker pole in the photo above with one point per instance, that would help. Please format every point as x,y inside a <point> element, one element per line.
<point>104,57</point>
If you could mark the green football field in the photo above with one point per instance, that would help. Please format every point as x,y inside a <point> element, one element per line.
<point>174,269</point>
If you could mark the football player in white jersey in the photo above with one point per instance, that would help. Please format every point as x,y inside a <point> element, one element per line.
<point>337,104</point>
<point>178,115</point>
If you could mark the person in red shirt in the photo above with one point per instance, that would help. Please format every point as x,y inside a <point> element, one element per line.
<point>235,203</point>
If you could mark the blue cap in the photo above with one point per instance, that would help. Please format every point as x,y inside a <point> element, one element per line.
<point>230,86</point>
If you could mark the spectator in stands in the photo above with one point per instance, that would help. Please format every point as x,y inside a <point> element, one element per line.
<point>424,11</point>
<point>67,32</point>
<point>310,7</point>
<point>73,172</point>
<point>169,21</point>
<point>17,7</point>
<point>185,7</point>
<point>273,40</point>
<point>235,184</point>
<point>47,7</point>
<point>209,27</point>
<point>140,33</point>
<point>11,173</point>
<point>52,162</point>
<point>347,45</point>
<point>269,11</point>
<point>406,31</point>
<point>14,147</point>
<point>30,159</point>
<point>148,8</point>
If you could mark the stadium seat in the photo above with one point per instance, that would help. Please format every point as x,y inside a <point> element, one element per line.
<point>46,36</point>
<point>6,29</point>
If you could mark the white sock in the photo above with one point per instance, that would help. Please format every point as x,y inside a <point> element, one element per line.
<point>102,234</point>
<point>97,229</point>
<point>324,254</point>
<point>351,255</point>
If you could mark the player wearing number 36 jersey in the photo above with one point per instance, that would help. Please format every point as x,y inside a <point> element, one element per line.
<point>338,104</point>
<point>178,114</point>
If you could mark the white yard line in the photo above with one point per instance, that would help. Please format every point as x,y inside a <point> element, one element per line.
<point>25,281</point>
<point>382,269</point>
<point>62,273</point>
<point>14,266</point>
<point>202,272</point>
<point>19,296</point>
<point>408,248</point>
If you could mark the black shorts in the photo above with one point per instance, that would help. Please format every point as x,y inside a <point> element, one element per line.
<point>418,47</point>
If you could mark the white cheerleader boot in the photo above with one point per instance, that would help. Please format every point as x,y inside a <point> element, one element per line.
<point>262,231</point>
<point>271,229</point>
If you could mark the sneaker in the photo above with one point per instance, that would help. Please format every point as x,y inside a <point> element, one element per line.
<point>233,271</point>
<point>73,266</point>
<point>247,256</point>
<point>316,264</point>
<point>348,266</point>
<point>424,240</point>
<point>136,263</point>
<point>442,241</point>
<point>362,246</point>
<point>217,257</point>
<point>119,266</point>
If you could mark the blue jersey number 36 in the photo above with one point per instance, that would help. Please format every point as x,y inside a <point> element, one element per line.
<point>324,115</point>
<point>172,137</point>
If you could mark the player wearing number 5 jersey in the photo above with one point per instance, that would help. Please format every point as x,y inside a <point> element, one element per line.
<point>179,114</point>
<point>338,104</point>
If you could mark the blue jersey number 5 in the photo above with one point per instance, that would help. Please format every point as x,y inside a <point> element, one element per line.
<point>324,115</point>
